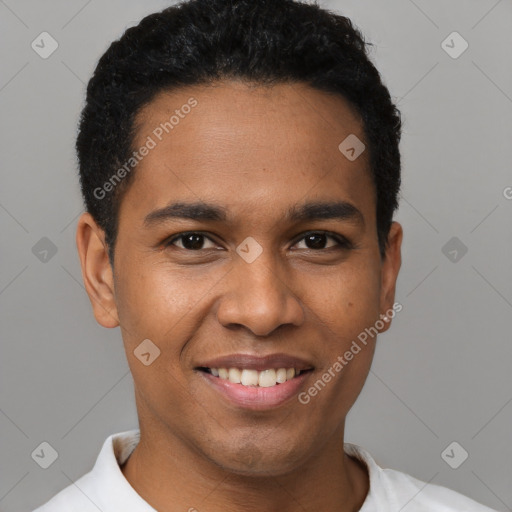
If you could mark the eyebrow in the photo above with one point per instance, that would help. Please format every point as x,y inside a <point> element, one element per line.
<point>311,211</point>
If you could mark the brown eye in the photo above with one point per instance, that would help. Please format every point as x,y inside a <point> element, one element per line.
<point>318,240</point>
<point>190,241</point>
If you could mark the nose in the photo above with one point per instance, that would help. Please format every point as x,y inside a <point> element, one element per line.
<point>259,298</point>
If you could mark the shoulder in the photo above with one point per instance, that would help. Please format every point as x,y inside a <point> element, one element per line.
<point>392,490</point>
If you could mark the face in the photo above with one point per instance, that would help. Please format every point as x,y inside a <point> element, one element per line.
<point>260,277</point>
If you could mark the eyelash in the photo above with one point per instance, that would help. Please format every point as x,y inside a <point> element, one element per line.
<point>343,243</point>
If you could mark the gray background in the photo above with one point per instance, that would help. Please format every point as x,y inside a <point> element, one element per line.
<point>442,372</point>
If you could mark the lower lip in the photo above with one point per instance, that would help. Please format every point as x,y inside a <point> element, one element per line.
<point>255,397</point>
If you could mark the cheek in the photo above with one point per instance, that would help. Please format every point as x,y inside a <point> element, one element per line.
<point>347,306</point>
<point>347,299</point>
<point>151,299</point>
<point>167,306</point>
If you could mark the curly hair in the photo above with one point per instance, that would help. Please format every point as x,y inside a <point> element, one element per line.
<point>198,42</point>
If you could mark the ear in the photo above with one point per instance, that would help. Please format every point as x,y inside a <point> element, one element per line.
<point>389,271</point>
<point>97,272</point>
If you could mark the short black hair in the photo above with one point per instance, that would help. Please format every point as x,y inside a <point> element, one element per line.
<point>199,42</point>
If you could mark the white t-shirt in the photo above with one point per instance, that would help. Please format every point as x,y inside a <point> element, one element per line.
<point>105,488</point>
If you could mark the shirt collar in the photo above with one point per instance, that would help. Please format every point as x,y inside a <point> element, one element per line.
<point>111,491</point>
<point>377,498</point>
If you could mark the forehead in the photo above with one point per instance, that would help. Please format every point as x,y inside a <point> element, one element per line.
<point>245,146</point>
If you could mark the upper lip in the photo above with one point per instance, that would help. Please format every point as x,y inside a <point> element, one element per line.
<point>257,362</point>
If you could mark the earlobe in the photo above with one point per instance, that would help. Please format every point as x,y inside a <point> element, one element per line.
<point>96,270</point>
<point>390,268</point>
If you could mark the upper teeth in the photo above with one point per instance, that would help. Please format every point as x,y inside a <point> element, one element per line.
<point>265,378</point>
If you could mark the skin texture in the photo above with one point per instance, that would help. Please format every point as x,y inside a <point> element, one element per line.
<point>255,151</point>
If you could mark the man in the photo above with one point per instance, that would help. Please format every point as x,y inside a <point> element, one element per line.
<point>240,168</point>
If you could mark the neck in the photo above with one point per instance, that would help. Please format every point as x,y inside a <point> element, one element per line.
<point>171,476</point>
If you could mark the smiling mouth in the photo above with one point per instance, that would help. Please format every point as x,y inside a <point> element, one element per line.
<point>254,378</point>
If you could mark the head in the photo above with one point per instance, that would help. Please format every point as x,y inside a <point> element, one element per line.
<point>221,121</point>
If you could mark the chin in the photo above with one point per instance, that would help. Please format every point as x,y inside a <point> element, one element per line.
<point>251,460</point>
